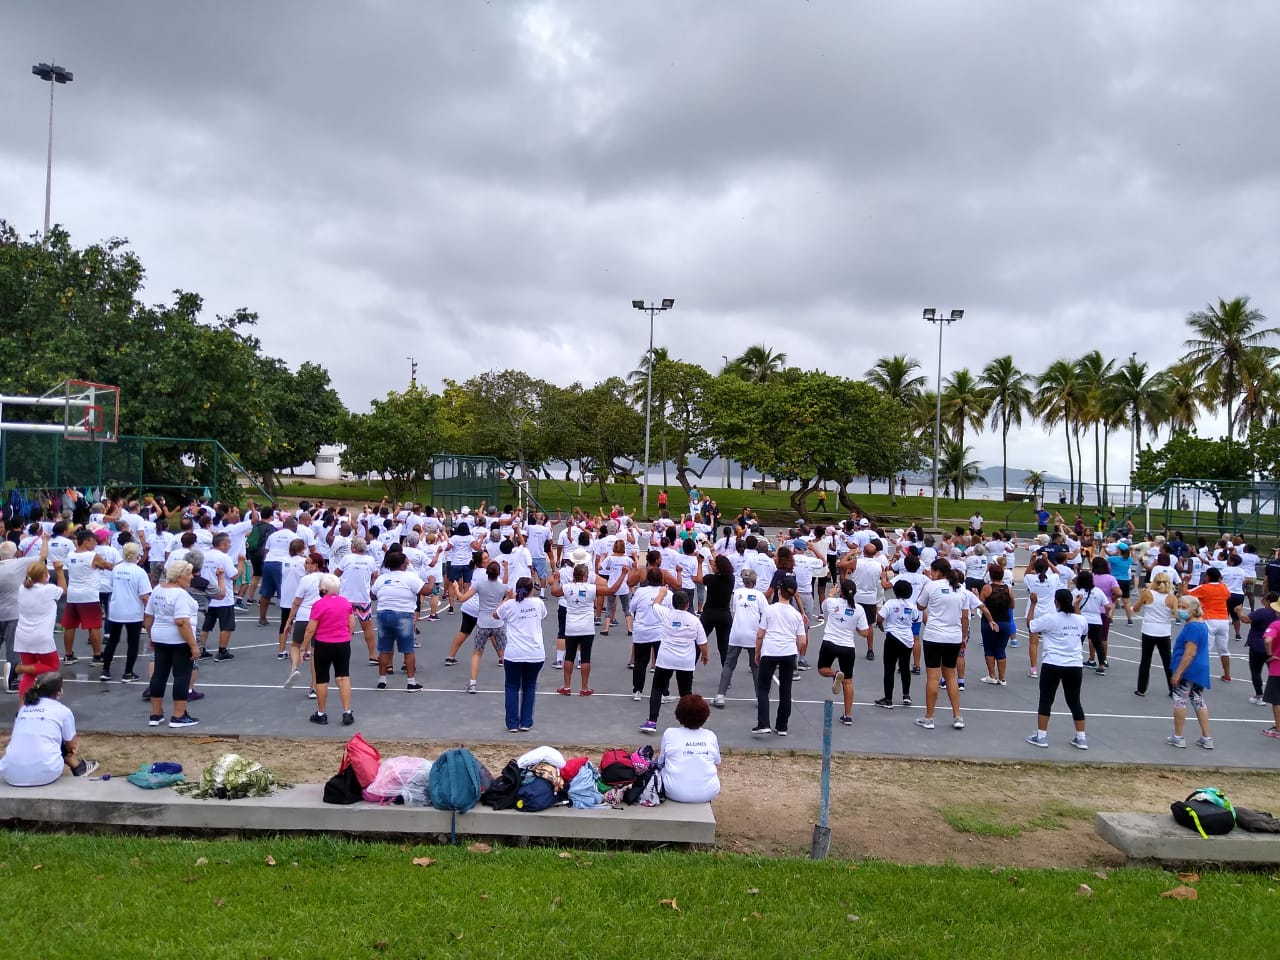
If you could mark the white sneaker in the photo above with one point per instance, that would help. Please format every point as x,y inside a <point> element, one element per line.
<point>991,680</point>
<point>637,696</point>
<point>292,678</point>
<point>926,722</point>
<point>958,723</point>
<point>669,699</point>
<point>471,686</point>
<point>1079,743</point>
<point>719,701</point>
<point>1257,701</point>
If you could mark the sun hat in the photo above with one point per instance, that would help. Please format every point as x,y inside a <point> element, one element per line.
<point>579,555</point>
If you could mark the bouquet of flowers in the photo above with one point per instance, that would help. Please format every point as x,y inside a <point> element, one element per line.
<point>231,777</point>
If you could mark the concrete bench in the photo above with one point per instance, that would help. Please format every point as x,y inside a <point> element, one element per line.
<point>300,809</point>
<point>1155,836</point>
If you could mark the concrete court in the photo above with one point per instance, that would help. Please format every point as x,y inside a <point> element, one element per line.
<point>244,696</point>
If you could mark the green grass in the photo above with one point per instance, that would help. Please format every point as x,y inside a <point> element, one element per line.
<point>78,896</point>
<point>985,821</point>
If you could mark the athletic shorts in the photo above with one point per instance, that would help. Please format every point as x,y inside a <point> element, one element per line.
<point>272,571</point>
<point>224,617</point>
<point>944,655</point>
<point>973,583</point>
<point>335,655</point>
<point>1219,637</point>
<point>830,653</point>
<point>459,573</point>
<point>255,563</point>
<point>363,612</point>
<point>578,647</point>
<point>1271,694</point>
<point>483,635</point>
<point>395,631</point>
<point>87,615</point>
<point>468,624</point>
<point>1187,694</point>
<point>299,631</point>
<point>1126,586</point>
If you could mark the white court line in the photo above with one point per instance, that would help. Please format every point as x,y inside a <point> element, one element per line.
<point>942,700</point>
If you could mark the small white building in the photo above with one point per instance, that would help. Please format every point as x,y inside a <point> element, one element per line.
<point>327,465</point>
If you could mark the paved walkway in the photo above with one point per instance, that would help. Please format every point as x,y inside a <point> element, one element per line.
<point>244,696</point>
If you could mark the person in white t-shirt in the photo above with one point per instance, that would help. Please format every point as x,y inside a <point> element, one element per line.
<point>683,643</point>
<point>397,592</point>
<point>690,754</point>
<point>844,621</point>
<point>780,640</point>
<point>357,571</point>
<point>84,605</point>
<point>867,573</point>
<point>578,600</point>
<point>944,603</point>
<point>747,604</point>
<point>131,587</point>
<point>220,569</point>
<point>43,741</point>
<point>900,620</point>
<point>277,551</point>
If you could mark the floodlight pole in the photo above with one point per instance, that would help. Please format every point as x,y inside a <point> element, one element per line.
<point>652,309</point>
<point>932,316</point>
<point>54,75</point>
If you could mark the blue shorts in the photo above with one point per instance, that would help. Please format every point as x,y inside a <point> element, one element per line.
<point>460,572</point>
<point>540,567</point>
<point>915,629</point>
<point>272,571</point>
<point>395,631</point>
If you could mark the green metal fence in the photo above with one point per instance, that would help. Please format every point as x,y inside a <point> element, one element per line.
<point>458,481</point>
<point>1211,508</point>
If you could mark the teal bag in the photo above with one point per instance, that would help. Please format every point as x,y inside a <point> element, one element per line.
<point>154,776</point>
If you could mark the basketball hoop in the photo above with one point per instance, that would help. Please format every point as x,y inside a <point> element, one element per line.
<point>90,411</point>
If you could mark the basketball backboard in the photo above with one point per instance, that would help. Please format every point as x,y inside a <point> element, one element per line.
<point>84,410</point>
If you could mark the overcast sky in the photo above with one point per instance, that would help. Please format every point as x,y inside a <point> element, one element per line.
<point>490,185</point>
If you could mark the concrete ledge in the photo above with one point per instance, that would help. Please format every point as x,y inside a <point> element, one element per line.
<point>118,803</point>
<point>1154,836</point>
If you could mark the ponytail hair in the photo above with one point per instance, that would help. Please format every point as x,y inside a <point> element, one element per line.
<point>848,590</point>
<point>943,566</point>
<point>1041,567</point>
<point>37,572</point>
<point>524,587</point>
<point>46,685</point>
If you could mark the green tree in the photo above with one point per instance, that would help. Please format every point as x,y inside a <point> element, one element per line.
<point>1034,482</point>
<point>1227,339</point>
<point>1008,392</point>
<point>639,388</point>
<point>1218,467</point>
<point>687,424</point>
<point>497,414</point>
<point>758,363</point>
<point>395,439</point>
<point>1060,401</point>
<point>957,470</point>
<point>608,431</point>
<point>964,404</point>
<point>1095,374</point>
<point>1140,395</point>
<point>896,376</point>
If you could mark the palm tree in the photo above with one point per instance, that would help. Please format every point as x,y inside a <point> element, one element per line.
<point>1140,396</point>
<point>1009,395</point>
<point>639,383</point>
<point>759,364</point>
<point>964,403</point>
<point>1059,402</point>
<point>956,469</point>
<point>1095,376</point>
<point>1182,401</point>
<point>1227,337</point>
<point>896,377</point>
<point>1034,481</point>
<point>1260,384</point>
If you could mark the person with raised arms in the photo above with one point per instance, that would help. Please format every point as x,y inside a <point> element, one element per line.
<point>1061,633</point>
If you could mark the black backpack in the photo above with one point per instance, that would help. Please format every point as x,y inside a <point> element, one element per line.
<point>501,793</point>
<point>343,787</point>
<point>1207,811</point>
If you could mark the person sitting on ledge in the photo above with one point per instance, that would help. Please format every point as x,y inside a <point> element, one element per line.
<point>690,754</point>
<point>44,738</point>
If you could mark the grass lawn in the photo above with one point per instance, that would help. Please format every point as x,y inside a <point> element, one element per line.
<point>78,896</point>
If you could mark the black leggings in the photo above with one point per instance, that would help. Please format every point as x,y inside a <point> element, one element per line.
<point>1257,664</point>
<point>1070,678</point>
<point>641,654</point>
<point>896,656</point>
<point>133,632</point>
<point>175,658</point>
<point>720,621</point>
<point>1149,646</point>
<point>1097,645</point>
<point>662,683</point>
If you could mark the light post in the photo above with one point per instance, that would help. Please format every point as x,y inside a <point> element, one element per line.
<point>724,461</point>
<point>651,309</point>
<point>54,75</point>
<point>933,316</point>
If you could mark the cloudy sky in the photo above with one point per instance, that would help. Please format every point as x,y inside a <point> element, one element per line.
<point>483,185</point>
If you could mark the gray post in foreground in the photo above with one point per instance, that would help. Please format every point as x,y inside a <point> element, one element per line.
<point>822,829</point>
<point>651,309</point>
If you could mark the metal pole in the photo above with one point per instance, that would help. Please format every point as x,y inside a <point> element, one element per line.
<point>937,427</point>
<point>648,413</point>
<point>822,829</point>
<point>48,172</point>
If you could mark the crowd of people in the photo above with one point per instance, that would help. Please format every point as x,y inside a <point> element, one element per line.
<point>677,586</point>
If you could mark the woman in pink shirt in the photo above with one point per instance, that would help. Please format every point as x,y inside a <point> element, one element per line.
<point>329,634</point>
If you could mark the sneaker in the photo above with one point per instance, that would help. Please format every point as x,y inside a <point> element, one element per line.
<point>885,702</point>
<point>70,658</point>
<point>1257,701</point>
<point>223,655</point>
<point>186,720</point>
<point>960,683</point>
<point>1032,673</point>
<point>1003,683</point>
<point>761,730</point>
<point>130,678</point>
<point>158,718</point>
<point>89,767</point>
<point>284,656</point>
<point>993,680</point>
<point>292,678</point>
<point>471,686</point>
<point>558,665</point>
<point>803,664</point>
<point>433,618</point>
<point>96,658</point>
<point>781,733</point>
<point>413,685</point>
<point>1206,742</point>
<point>105,677</point>
<point>586,692</point>
<point>1224,678</point>
<point>1174,740</point>
<point>649,726</point>
<point>382,683</point>
<point>204,654</point>
<point>348,718</point>
<point>1013,642</point>
<point>404,668</point>
<point>669,698</point>
<point>1079,742</point>
<point>524,729</point>
<point>450,661</point>
<point>564,691</point>
<point>637,695</point>
<point>942,683</point>
<point>1271,732</point>
<point>915,671</point>
<point>262,623</point>
<point>871,654</point>
<point>319,718</point>
<point>240,604</point>
<point>847,721</point>
<point>1139,693</point>
<point>906,701</point>
<point>926,722</point>
<point>1039,740</point>
<point>1101,671</point>
<point>958,723</point>
<point>718,701</point>
<point>372,661</point>
<point>837,682</point>
<point>194,695</point>
<point>311,694</point>
<point>796,676</point>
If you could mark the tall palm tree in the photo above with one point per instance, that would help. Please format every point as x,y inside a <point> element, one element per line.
<point>759,364</point>
<point>1225,336</point>
<point>964,403</point>
<point>1260,385</point>
<point>1009,395</point>
<point>896,377</point>
<point>1034,481</point>
<point>1140,395</point>
<point>1059,402</point>
<point>1182,401</point>
<point>1095,375</point>
<point>956,469</point>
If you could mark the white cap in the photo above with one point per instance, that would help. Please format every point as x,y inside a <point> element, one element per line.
<point>864,522</point>
<point>465,510</point>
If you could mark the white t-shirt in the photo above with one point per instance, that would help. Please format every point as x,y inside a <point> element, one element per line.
<point>917,581</point>
<point>1233,577</point>
<point>898,616</point>
<point>1042,590</point>
<point>37,611</point>
<point>866,579</point>
<point>747,605</point>
<point>277,546</point>
<point>646,626</point>
<point>112,556</point>
<point>34,755</point>
<point>689,761</point>
<point>579,602</point>
<point>292,570</point>
<point>682,634</point>
<point>82,577</point>
<point>524,629</point>
<point>215,560</point>
<point>59,549</point>
<point>130,586</point>
<point>614,567</point>
<point>537,535</point>
<point>781,623</point>
<point>239,533</point>
<point>842,622</point>
<point>1092,604</point>
<point>166,606</point>
<point>807,566</point>
<point>357,573</point>
<point>942,604</point>
<point>12,572</point>
<point>308,593</point>
<point>1060,635</point>
<point>1157,618</point>
<point>397,592</point>
<point>460,549</point>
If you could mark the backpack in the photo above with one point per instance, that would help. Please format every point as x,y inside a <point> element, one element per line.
<point>536,794</point>
<point>363,757</point>
<point>501,793</point>
<point>644,789</point>
<point>258,536</point>
<point>343,787</point>
<point>1207,811</point>
<point>617,768</point>
<point>456,782</point>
